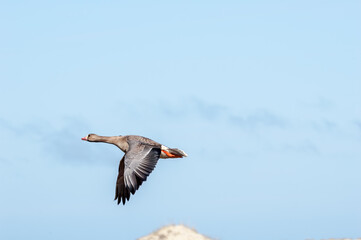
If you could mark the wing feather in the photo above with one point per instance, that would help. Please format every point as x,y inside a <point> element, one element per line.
<point>134,168</point>
<point>121,192</point>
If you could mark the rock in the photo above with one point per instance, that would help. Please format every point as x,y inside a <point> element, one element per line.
<point>175,232</point>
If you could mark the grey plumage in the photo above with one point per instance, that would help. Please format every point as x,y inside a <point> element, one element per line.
<point>140,159</point>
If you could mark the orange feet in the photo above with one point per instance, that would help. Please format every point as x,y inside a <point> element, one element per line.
<point>170,155</point>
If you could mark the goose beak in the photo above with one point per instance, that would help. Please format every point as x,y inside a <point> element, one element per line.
<point>84,138</point>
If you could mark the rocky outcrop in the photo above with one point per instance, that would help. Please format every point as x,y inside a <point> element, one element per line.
<point>175,232</point>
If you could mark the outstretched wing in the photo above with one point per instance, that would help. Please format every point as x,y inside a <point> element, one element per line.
<point>121,192</point>
<point>134,169</point>
<point>139,162</point>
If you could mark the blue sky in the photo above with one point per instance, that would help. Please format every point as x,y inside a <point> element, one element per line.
<point>263,96</point>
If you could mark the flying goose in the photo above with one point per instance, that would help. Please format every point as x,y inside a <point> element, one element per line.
<point>141,156</point>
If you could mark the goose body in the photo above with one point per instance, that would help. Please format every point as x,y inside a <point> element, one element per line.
<point>141,156</point>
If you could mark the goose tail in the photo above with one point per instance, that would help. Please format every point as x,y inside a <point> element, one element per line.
<point>172,153</point>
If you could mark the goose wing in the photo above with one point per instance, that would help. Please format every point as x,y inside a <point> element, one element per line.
<point>134,169</point>
<point>121,192</point>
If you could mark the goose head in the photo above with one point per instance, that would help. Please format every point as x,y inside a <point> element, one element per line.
<point>90,137</point>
